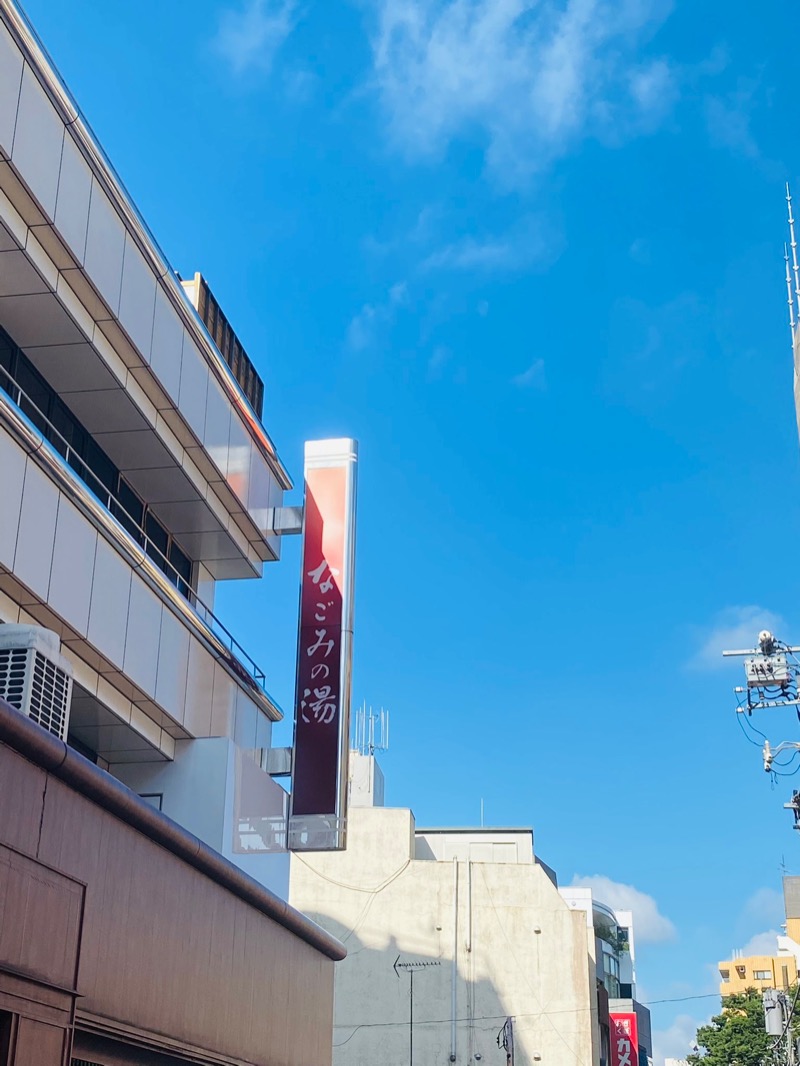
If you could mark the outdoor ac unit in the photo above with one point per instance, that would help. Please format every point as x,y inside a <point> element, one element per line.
<point>34,676</point>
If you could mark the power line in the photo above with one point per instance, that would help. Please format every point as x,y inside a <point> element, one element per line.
<point>500,1017</point>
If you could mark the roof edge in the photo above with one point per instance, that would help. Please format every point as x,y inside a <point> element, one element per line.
<point>43,749</point>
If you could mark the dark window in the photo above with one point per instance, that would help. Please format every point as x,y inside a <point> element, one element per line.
<point>183,564</point>
<point>67,435</point>
<point>129,510</point>
<point>82,749</point>
<point>5,1038</point>
<point>157,538</point>
<point>36,402</point>
<point>62,429</point>
<point>101,466</point>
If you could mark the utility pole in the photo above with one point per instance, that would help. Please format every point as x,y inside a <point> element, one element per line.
<point>778,1013</point>
<point>772,674</point>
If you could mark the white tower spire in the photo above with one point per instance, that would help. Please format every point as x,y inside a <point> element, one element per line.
<point>793,244</point>
<point>789,291</point>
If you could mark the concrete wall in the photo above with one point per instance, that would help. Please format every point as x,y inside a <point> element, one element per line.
<point>517,947</point>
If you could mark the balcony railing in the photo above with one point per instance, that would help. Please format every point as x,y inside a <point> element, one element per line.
<point>240,662</point>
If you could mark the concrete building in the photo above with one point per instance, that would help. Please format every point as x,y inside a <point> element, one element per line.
<point>778,970</point>
<point>125,942</point>
<point>135,473</point>
<point>455,937</point>
<point>612,947</point>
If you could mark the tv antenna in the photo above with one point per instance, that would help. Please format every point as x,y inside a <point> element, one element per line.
<point>370,730</point>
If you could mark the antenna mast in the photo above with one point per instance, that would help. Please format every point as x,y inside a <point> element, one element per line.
<point>789,291</point>
<point>793,244</point>
<point>370,730</point>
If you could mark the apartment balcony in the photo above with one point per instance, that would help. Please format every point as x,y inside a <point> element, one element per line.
<point>160,662</point>
<point>89,298</point>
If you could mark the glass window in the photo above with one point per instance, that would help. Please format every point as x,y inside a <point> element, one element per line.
<point>36,401</point>
<point>129,510</point>
<point>762,975</point>
<point>101,467</point>
<point>63,430</point>
<point>157,538</point>
<point>183,565</point>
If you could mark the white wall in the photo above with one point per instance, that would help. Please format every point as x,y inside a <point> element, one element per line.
<point>519,951</point>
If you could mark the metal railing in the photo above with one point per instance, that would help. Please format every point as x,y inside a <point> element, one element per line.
<point>240,662</point>
<point>82,127</point>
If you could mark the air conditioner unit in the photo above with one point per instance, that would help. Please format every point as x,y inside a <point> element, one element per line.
<point>34,676</point>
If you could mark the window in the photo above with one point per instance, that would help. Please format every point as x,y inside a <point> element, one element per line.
<point>762,975</point>
<point>5,1038</point>
<point>725,975</point>
<point>63,431</point>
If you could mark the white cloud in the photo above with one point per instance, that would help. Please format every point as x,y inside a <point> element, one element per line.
<point>649,924</point>
<point>764,907</point>
<point>250,35</point>
<point>733,628</point>
<point>532,378</point>
<point>529,78</point>
<point>762,943</point>
<point>677,1040</point>
<point>364,327</point>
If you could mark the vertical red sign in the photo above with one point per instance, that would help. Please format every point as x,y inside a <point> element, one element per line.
<point>624,1040</point>
<point>324,654</point>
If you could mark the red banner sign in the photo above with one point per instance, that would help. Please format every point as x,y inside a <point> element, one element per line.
<point>624,1040</point>
<point>325,645</point>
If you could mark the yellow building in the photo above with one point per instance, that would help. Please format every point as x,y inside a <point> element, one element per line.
<point>769,971</point>
<point>757,971</point>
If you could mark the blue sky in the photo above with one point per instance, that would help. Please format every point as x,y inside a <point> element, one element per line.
<point>530,255</point>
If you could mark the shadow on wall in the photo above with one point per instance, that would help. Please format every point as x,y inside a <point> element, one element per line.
<point>395,1007</point>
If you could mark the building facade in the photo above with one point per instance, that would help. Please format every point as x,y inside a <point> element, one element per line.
<point>779,970</point>
<point>459,944</point>
<point>125,942</point>
<point>135,472</point>
<point>143,866</point>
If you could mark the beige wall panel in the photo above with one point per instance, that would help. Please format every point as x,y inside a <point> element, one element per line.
<point>12,476</point>
<point>21,791</point>
<point>37,526</point>
<point>248,987</point>
<point>10,79</point>
<point>38,141</point>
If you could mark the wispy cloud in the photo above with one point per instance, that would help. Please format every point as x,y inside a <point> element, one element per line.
<point>439,359</point>
<point>677,1040</point>
<point>728,119</point>
<point>733,627</point>
<point>529,78</point>
<point>649,924</point>
<point>532,378</point>
<point>364,327</point>
<point>529,241</point>
<point>250,35</point>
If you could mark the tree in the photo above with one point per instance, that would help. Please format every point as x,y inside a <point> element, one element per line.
<point>736,1036</point>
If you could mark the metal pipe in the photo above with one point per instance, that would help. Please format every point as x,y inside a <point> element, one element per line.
<point>454,975</point>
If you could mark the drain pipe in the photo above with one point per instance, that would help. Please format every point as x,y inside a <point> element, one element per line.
<point>454,976</point>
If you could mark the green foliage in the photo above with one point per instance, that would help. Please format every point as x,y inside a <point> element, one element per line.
<point>736,1036</point>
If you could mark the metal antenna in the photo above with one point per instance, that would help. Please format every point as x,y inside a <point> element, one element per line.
<point>789,291</point>
<point>793,242</point>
